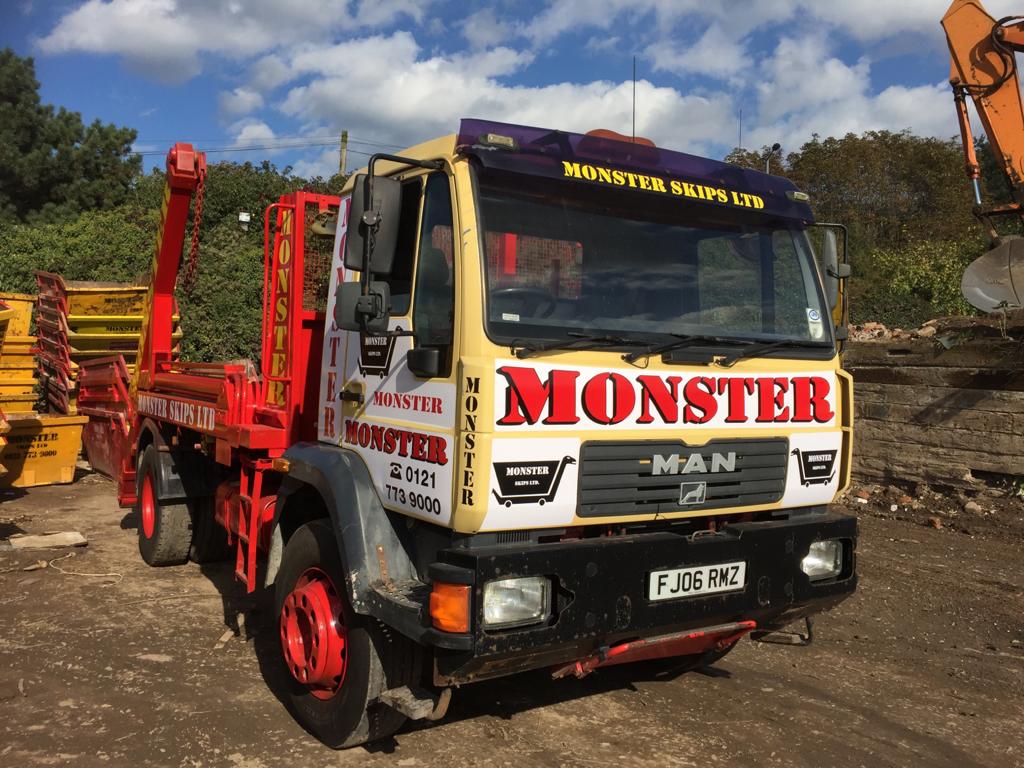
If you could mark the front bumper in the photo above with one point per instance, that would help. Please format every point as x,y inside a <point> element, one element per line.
<point>601,590</point>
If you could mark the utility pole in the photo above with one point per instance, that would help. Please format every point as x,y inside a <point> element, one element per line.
<point>343,156</point>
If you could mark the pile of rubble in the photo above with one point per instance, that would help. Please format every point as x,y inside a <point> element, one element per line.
<point>994,325</point>
<point>992,509</point>
<point>879,332</point>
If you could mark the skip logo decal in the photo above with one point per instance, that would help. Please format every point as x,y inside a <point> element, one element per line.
<point>529,482</point>
<point>816,467</point>
<point>375,354</point>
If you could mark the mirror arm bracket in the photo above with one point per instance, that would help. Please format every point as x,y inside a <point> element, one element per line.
<point>371,217</point>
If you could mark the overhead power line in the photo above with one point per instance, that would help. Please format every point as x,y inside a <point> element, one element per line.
<point>278,142</point>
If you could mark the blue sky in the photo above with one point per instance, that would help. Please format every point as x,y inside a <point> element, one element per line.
<point>274,74</point>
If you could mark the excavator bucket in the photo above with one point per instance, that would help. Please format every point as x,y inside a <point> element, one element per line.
<point>995,280</point>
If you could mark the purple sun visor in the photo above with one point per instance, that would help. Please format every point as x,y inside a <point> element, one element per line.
<point>629,167</point>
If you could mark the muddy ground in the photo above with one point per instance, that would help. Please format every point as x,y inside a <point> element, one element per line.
<point>923,667</point>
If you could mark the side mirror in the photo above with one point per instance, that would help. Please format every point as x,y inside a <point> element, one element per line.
<point>369,312</point>
<point>380,218</point>
<point>833,261</point>
<point>424,362</point>
<point>830,261</point>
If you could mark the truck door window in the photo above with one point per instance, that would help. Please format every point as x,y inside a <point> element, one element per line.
<point>400,278</point>
<point>433,314</point>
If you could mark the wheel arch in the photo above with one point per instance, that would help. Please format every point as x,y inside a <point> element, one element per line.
<point>333,482</point>
<point>181,474</point>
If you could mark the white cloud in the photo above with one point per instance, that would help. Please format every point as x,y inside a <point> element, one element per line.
<point>240,101</point>
<point>806,91</point>
<point>483,29</point>
<point>386,91</point>
<point>269,72</point>
<point>323,163</point>
<point>715,54</point>
<point>169,39</point>
<point>378,13</point>
<point>250,133</point>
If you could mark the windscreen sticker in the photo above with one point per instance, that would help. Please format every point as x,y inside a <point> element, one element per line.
<point>815,326</point>
<point>533,483</point>
<point>540,396</point>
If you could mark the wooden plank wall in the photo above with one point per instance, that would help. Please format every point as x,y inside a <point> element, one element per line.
<point>925,413</point>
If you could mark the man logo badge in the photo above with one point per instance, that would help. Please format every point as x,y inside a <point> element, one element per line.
<point>692,493</point>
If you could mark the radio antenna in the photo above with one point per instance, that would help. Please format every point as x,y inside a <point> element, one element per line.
<point>634,98</point>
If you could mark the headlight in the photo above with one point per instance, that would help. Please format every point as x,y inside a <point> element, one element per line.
<point>824,560</point>
<point>516,602</point>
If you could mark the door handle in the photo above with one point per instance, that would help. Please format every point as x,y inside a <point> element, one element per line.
<point>351,396</point>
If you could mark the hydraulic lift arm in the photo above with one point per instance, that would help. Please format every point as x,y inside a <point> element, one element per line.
<point>186,171</point>
<point>983,67</point>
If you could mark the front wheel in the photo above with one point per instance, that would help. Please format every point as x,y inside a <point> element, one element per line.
<point>165,530</point>
<point>337,662</point>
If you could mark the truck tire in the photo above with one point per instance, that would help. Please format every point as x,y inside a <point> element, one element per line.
<point>209,539</point>
<point>165,530</point>
<point>337,663</point>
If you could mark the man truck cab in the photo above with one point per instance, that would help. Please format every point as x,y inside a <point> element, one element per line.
<point>594,391</point>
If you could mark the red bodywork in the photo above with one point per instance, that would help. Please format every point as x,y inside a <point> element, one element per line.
<point>239,418</point>
<point>662,647</point>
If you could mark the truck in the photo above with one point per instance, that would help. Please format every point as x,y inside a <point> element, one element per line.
<point>527,399</point>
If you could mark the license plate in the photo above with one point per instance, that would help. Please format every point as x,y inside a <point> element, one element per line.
<point>698,580</point>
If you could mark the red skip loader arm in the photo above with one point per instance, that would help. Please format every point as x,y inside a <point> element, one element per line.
<point>185,170</point>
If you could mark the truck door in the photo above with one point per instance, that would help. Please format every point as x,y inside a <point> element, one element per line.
<point>402,424</point>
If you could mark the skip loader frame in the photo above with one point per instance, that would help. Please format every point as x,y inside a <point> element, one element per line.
<point>484,438</point>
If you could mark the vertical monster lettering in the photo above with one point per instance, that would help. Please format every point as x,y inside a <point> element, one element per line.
<point>281,309</point>
<point>470,406</point>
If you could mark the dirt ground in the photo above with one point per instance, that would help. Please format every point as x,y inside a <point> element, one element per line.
<point>923,667</point>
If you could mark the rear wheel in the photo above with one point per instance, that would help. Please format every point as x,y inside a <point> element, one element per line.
<point>337,662</point>
<point>165,530</point>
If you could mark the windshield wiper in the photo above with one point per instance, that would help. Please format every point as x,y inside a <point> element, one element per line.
<point>579,341</point>
<point>681,341</point>
<point>756,349</point>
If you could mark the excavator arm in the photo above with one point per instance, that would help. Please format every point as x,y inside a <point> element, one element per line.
<point>983,68</point>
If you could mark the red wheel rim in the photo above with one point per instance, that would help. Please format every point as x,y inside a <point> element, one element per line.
<point>148,506</point>
<point>314,637</point>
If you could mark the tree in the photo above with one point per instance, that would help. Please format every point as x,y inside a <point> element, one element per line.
<point>890,188</point>
<point>748,158</point>
<point>52,165</point>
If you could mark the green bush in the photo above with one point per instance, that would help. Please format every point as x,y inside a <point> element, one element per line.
<point>114,245</point>
<point>904,287</point>
<point>221,314</point>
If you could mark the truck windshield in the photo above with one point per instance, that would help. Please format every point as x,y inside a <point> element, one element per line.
<point>565,259</point>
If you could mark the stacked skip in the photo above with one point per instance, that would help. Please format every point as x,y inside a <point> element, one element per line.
<point>6,313</point>
<point>17,361</point>
<point>81,321</point>
<point>35,448</point>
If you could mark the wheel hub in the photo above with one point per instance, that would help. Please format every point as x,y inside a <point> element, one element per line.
<point>314,637</point>
<point>147,506</point>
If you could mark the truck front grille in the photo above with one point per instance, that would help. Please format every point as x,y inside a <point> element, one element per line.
<point>659,476</point>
